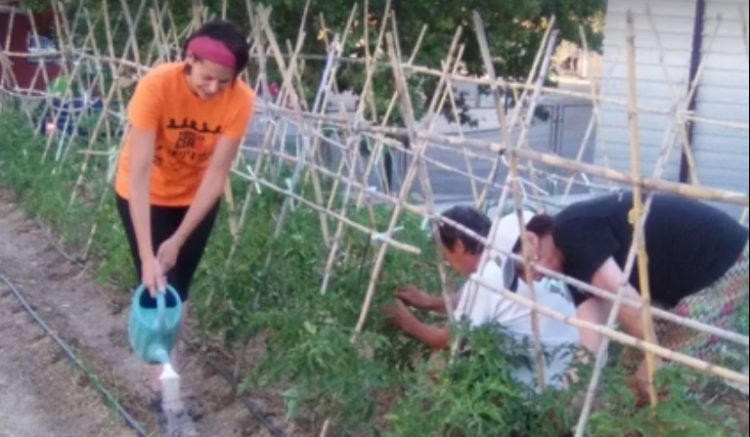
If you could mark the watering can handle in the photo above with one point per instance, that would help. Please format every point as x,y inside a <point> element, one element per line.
<point>161,305</point>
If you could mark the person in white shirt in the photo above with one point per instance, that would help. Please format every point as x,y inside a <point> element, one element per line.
<point>480,304</point>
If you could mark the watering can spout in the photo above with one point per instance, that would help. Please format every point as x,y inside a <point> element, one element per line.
<point>160,355</point>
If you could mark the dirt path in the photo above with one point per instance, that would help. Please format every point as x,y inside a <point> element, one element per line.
<point>93,319</point>
<point>40,394</point>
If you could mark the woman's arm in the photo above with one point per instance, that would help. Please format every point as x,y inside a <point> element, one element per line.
<point>610,277</point>
<point>141,159</point>
<point>145,111</point>
<point>592,311</point>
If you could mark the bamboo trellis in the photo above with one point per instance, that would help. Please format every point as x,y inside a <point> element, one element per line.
<point>513,151</point>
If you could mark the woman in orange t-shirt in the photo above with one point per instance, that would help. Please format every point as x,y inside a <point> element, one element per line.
<point>187,121</point>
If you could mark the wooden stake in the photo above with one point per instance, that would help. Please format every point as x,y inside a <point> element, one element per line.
<point>638,251</point>
<point>505,128</point>
<point>639,238</point>
<point>288,85</point>
<point>500,108</point>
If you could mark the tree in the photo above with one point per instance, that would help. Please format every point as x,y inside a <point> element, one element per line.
<point>515,30</point>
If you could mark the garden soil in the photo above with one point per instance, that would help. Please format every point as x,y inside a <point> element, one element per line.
<point>41,396</point>
<point>39,393</point>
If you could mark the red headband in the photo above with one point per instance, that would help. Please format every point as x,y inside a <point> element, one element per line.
<point>212,50</point>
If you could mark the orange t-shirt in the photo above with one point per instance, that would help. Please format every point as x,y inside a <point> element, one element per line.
<point>187,131</point>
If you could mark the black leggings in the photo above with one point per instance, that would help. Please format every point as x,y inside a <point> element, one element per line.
<point>164,223</point>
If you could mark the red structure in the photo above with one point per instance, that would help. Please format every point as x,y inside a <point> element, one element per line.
<point>17,37</point>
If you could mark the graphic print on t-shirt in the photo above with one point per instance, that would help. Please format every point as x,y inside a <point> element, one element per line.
<point>191,148</point>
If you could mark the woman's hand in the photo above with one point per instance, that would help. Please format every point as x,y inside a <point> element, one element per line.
<point>168,253</point>
<point>153,277</point>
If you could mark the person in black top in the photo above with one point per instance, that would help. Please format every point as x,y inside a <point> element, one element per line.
<point>697,263</point>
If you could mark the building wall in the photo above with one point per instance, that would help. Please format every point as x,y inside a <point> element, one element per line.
<point>663,54</point>
<point>721,152</point>
<point>15,29</point>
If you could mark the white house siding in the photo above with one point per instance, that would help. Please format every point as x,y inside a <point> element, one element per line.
<point>721,153</point>
<point>662,79</point>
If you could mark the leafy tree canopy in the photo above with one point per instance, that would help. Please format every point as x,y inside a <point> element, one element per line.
<point>515,30</point>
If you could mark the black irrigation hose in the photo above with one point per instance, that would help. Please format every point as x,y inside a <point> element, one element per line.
<point>77,261</point>
<point>251,407</point>
<point>132,423</point>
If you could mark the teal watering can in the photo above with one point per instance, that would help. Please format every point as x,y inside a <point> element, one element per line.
<point>153,329</point>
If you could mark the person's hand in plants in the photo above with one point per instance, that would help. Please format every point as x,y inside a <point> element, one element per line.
<point>168,253</point>
<point>414,297</point>
<point>401,317</point>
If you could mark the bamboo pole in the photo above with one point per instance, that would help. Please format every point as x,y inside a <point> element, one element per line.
<point>407,110</point>
<point>681,127</point>
<point>132,27</point>
<point>409,179</point>
<point>415,168</point>
<point>584,96</point>
<point>638,237</point>
<point>270,134</point>
<point>540,70</point>
<point>575,95</point>
<point>114,90</point>
<point>688,190</point>
<point>595,121</point>
<point>378,149</point>
<point>353,146</point>
<point>513,176</point>
<point>639,246</point>
<point>388,240</point>
<point>7,64</point>
<point>75,118</point>
<point>42,67</point>
<point>288,83</point>
<point>454,111</point>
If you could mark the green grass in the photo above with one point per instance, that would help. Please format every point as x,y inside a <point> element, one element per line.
<point>309,348</point>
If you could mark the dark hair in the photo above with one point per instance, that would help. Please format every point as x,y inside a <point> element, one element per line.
<point>541,225</point>
<point>469,218</point>
<point>231,36</point>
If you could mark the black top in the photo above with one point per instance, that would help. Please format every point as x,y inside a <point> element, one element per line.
<point>690,245</point>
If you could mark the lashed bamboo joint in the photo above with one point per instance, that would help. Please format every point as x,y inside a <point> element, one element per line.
<point>325,127</point>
